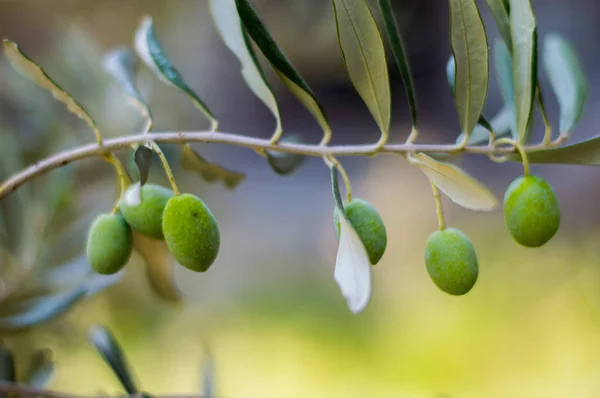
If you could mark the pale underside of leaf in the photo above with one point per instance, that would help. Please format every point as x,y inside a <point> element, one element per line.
<point>37,75</point>
<point>501,126</point>
<point>229,26</point>
<point>504,76</point>
<point>470,50</point>
<point>459,186</point>
<point>500,12</point>
<point>153,55</point>
<point>211,172</point>
<point>524,52</point>
<point>159,266</point>
<point>364,57</point>
<point>567,79</point>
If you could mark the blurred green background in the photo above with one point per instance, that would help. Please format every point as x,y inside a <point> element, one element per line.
<point>269,307</point>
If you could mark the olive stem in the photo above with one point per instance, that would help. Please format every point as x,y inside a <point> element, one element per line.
<point>439,211</point>
<point>520,148</point>
<point>166,167</point>
<point>333,161</point>
<point>122,178</point>
<point>412,137</point>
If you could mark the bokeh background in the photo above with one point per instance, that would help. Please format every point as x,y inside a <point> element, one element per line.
<point>269,308</point>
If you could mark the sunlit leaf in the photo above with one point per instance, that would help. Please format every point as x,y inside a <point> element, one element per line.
<point>229,25</point>
<point>470,51</point>
<point>150,50</point>
<point>159,266</point>
<point>500,12</point>
<point>122,65</point>
<point>397,47</point>
<point>41,370</point>
<point>259,33</point>
<point>7,364</point>
<point>364,57</point>
<point>501,126</point>
<point>211,172</point>
<point>567,78</point>
<point>524,52</point>
<point>285,163</point>
<point>353,271</point>
<point>111,352</point>
<point>586,153</point>
<point>459,186</point>
<point>35,73</point>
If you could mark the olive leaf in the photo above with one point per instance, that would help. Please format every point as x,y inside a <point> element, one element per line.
<point>501,125</point>
<point>211,172</point>
<point>500,12</point>
<point>122,65</point>
<point>229,26</point>
<point>41,370</point>
<point>459,186</point>
<point>364,57</point>
<point>285,163</point>
<point>7,364</point>
<point>397,47</point>
<point>111,352</point>
<point>585,153</point>
<point>150,50</point>
<point>159,266</point>
<point>504,76</point>
<point>524,52</point>
<point>470,51</point>
<point>36,74</point>
<point>261,36</point>
<point>353,271</point>
<point>567,79</point>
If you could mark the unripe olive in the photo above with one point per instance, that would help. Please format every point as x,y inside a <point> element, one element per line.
<point>109,243</point>
<point>146,218</point>
<point>368,225</point>
<point>451,261</point>
<point>531,211</point>
<point>191,232</point>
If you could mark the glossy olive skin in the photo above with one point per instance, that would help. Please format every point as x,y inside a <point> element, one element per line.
<point>531,211</point>
<point>146,218</point>
<point>451,261</point>
<point>109,244</point>
<point>191,232</point>
<point>368,225</point>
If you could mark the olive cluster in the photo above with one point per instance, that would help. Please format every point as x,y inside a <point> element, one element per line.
<point>183,221</point>
<point>532,217</point>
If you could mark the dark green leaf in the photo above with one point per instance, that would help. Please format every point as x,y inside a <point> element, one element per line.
<point>524,51</point>
<point>192,161</point>
<point>586,153</point>
<point>150,50</point>
<point>143,160</point>
<point>504,75</point>
<point>364,57</point>
<point>229,25</point>
<point>259,33</point>
<point>285,163</point>
<point>397,46</point>
<point>470,51</point>
<point>41,370</point>
<point>500,12</point>
<point>7,364</point>
<point>111,352</point>
<point>567,78</point>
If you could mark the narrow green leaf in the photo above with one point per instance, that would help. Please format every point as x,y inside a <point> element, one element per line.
<point>364,57</point>
<point>192,161</point>
<point>111,352</point>
<point>122,65</point>
<point>159,266</point>
<point>36,74</point>
<point>7,365</point>
<point>397,46</point>
<point>229,25</point>
<point>41,370</point>
<point>500,12</point>
<point>585,153</point>
<point>285,163</point>
<point>470,51</point>
<point>150,50</point>
<point>353,271</point>
<point>567,78</point>
<point>459,186</point>
<point>259,33</point>
<point>504,76</point>
<point>524,52</point>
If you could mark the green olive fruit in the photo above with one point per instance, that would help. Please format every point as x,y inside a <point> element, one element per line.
<point>191,232</point>
<point>451,261</point>
<point>368,225</point>
<point>146,218</point>
<point>109,244</point>
<point>531,211</point>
